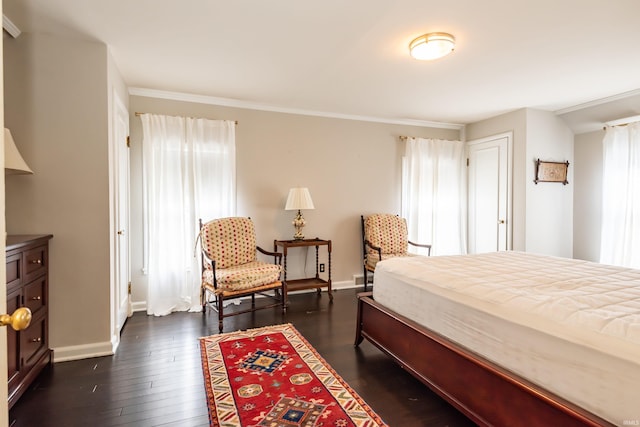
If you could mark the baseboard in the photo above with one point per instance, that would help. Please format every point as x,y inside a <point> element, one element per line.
<point>345,284</point>
<point>86,351</point>
<point>139,306</point>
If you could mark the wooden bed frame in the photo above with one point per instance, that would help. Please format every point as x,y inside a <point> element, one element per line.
<point>484,392</point>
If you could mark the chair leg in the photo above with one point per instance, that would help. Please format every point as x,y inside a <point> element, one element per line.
<point>253,301</point>
<point>285,301</point>
<point>220,301</point>
<point>366,279</point>
<point>284,298</point>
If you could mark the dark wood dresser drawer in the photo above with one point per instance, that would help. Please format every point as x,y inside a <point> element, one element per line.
<point>14,301</point>
<point>35,263</point>
<point>14,270</point>
<point>35,295</point>
<point>33,342</point>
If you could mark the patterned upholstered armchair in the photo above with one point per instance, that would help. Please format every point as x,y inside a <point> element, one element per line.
<point>231,269</point>
<point>384,236</point>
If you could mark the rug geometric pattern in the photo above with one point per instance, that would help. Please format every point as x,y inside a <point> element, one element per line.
<point>273,377</point>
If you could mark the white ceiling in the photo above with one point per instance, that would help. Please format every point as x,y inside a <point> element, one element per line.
<point>350,57</point>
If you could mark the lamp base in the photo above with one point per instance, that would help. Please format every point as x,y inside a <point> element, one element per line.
<point>298,223</point>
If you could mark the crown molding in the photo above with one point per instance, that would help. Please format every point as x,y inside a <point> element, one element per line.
<point>10,27</point>
<point>597,102</point>
<point>228,102</point>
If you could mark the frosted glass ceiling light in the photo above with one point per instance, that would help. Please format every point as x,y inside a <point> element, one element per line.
<point>432,46</point>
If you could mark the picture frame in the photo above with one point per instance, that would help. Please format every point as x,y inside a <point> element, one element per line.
<point>551,172</point>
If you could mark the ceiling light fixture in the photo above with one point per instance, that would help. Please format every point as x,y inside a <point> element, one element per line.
<point>432,46</point>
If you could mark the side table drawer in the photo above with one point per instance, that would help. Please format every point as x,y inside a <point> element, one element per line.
<point>35,263</point>
<point>35,296</point>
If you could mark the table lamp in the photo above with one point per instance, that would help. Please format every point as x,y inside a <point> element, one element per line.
<point>299,198</point>
<point>14,164</point>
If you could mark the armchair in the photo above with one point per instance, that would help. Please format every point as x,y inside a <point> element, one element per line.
<point>384,236</point>
<point>231,269</point>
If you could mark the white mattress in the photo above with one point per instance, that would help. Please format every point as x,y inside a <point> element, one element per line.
<point>570,326</point>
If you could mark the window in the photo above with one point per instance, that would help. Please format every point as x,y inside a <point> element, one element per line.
<point>433,194</point>
<point>188,174</point>
<point>620,244</point>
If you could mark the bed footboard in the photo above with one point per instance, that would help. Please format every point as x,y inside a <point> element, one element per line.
<point>484,392</point>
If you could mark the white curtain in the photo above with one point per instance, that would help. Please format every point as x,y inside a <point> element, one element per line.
<point>434,194</point>
<point>188,173</point>
<point>620,244</point>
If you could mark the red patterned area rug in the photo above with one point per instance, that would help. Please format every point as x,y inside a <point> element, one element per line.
<point>273,377</point>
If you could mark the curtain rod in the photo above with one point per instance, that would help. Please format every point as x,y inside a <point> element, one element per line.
<point>622,122</point>
<point>138,114</point>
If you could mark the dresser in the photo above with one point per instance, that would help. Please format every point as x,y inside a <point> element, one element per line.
<point>27,286</point>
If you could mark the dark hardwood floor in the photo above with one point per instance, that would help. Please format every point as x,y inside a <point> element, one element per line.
<point>155,379</point>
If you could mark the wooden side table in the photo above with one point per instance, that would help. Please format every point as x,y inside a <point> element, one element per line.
<point>311,282</point>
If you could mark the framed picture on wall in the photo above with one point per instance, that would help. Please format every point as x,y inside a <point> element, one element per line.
<point>551,172</point>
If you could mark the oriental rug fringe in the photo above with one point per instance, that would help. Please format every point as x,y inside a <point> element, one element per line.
<point>273,377</point>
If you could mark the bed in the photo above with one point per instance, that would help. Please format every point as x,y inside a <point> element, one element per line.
<point>512,338</point>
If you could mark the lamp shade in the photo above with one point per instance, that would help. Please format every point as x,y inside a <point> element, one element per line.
<point>299,198</point>
<point>14,164</point>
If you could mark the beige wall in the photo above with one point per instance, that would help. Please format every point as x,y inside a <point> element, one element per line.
<point>350,167</point>
<point>56,107</point>
<point>549,217</point>
<point>587,214</point>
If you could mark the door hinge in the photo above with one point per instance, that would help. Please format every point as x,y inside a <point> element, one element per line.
<point>129,288</point>
<point>467,162</point>
<point>128,141</point>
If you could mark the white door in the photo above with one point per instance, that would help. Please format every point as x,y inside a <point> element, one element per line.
<point>120,171</point>
<point>489,199</point>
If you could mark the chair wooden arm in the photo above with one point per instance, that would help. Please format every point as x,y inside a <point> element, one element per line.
<point>421,245</point>
<point>213,270</point>
<point>276,255</point>
<point>375,248</point>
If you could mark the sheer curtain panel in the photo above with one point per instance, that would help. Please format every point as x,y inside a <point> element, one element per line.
<point>434,194</point>
<point>188,173</point>
<point>621,196</point>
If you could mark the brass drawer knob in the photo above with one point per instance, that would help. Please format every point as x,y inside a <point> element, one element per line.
<point>36,339</point>
<point>38,298</point>
<point>36,261</point>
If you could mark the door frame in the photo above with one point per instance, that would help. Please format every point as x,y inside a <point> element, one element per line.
<point>117,321</point>
<point>509,178</point>
<point>4,402</point>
